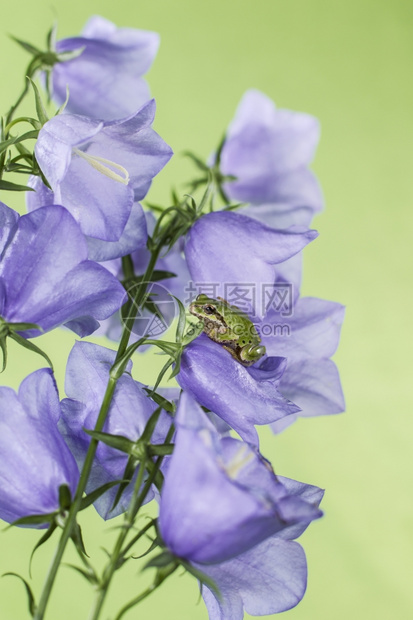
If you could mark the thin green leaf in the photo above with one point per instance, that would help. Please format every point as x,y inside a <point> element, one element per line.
<point>14,187</point>
<point>35,519</point>
<point>181,320</point>
<point>77,539</point>
<point>22,327</point>
<point>3,347</point>
<point>196,160</point>
<point>92,497</point>
<point>154,544</point>
<point>29,345</point>
<point>41,542</point>
<point>30,596</point>
<point>160,400</point>
<point>91,576</point>
<point>118,369</point>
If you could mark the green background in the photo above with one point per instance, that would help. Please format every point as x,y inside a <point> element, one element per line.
<point>349,64</point>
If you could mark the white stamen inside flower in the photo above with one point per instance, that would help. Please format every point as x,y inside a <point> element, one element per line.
<point>105,166</point>
<point>241,458</point>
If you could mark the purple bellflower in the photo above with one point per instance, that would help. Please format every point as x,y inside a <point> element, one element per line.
<point>241,396</point>
<point>35,460</point>
<point>307,338</point>
<point>105,80</point>
<point>269,151</point>
<point>97,170</point>
<point>87,375</point>
<point>227,249</point>
<point>45,276</point>
<point>223,509</point>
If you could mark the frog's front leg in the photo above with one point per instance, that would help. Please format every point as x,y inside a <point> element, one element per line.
<point>251,353</point>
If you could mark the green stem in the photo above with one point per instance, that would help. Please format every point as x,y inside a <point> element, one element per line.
<point>134,507</point>
<point>90,455</point>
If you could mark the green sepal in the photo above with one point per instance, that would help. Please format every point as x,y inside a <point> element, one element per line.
<point>77,539</point>
<point>51,38</point>
<point>118,368</point>
<point>170,407</point>
<point>150,426</point>
<point>3,347</point>
<point>196,160</point>
<point>62,108</point>
<point>89,575</point>
<point>90,499</point>
<point>154,544</point>
<point>34,519</point>
<point>157,275</point>
<point>165,558</point>
<point>158,478</point>
<point>41,542</point>
<point>65,56</point>
<point>193,331</point>
<point>161,449</point>
<point>40,107</point>
<point>30,596</point>
<point>29,135</point>
<point>29,345</point>
<point>65,497</point>
<point>128,473</point>
<point>180,328</point>
<point>22,327</point>
<point>14,187</point>
<point>119,442</point>
<point>26,46</point>
<point>203,578</point>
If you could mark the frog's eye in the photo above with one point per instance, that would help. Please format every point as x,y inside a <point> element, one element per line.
<point>209,309</point>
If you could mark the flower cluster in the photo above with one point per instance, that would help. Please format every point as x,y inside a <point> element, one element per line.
<point>248,349</point>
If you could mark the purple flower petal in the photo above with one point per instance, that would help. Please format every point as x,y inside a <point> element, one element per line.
<point>48,280</point>
<point>105,80</point>
<point>87,375</point>
<point>229,249</point>
<point>314,329</point>
<point>35,460</point>
<point>314,385</point>
<point>98,170</point>
<point>263,147</point>
<point>241,396</point>
<point>268,579</point>
<point>220,497</point>
<point>134,236</point>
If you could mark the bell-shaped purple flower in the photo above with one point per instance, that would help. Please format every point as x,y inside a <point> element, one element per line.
<point>268,579</point>
<point>220,497</point>
<point>35,460</point>
<point>87,375</point>
<point>45,276</point>
<point>269,151</point>
<point>241,396</point>
<point>97,170</point>
<point>307,339</point>
<point>105,79</point>
<point>233,252</point>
